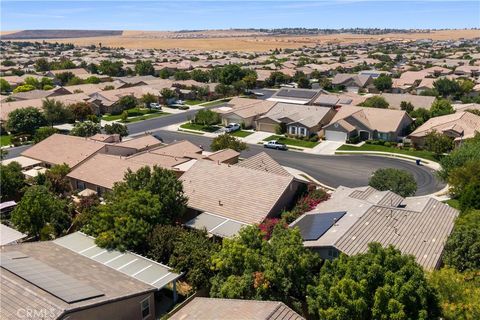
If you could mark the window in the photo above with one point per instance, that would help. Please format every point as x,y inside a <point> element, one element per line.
<point>293,130</point>
<point>145,308</point>
<point>80,185</point>
<point>302,131</point>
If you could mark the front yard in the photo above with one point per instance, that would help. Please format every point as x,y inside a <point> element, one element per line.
<point>136,114</point>
<point>241,133</point>
<point>293,142</point>
<point>199,127</point>
<point>370,147</point>
<point>5,140</point>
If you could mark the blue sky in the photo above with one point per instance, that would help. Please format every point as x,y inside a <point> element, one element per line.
<point>178,15</point>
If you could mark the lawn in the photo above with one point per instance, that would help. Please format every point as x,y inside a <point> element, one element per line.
<point>199,127</point>
<point>453,203</point>
<point>135,112</point>
<point>292,142</point>
<point>192,102</point>
<point>241,133</point>
<point>146,117</point>
<point>5,140</point>
<point>370,147</point>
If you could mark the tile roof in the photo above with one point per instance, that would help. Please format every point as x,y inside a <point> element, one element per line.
<point>235,192</point>
<point>233,309</point>
<point>464,123</point>
<point>263,162</point>
<point>306,115</point>
<point>59,149</point>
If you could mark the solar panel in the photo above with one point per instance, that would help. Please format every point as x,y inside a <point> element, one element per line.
<point>48,278</point>
<point>313,226</point>
<point>294,93</point>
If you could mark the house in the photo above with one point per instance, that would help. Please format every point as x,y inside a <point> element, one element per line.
<point>302,120</point>
<point>367,124</point>
<point>395,100</point>
<point>459,126</point>
<point>294,95</point>
<point>354,217</point>
<point>72,278</point>
<point>9,235</point>
<point>374,73</point>
<point>469,71</point>
<point>353,82</point>
<point>244,111</point>
<point>233,309</point>
<point>38,94</point>
<point>223,198</point>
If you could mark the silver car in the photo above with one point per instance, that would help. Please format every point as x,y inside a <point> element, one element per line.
<point>232,127</point>
<point>274,144</point>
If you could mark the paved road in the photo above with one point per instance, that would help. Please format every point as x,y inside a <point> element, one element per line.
<point>347,170</point>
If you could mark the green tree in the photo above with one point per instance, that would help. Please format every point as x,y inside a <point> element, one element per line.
<point>199,75</point>
<point>168,94</point>
<point>223,90</point>
<point>227,141</point>
<point>64,77</point>
<point>250,80</point>
<point>42,65</point>
<point>206,117</point>
<point>149,98</point>
<point>462,250</point>
<point>441,107</point>
<point>81,110</point>
<point>127,102</point>
<point>56,180</point>
<point>446,87</point>
<point>5,86</point>
<point>459,293</point>
<point>276,78</point>
<point>383,82</point>
<point>111,68</point>
<point>181,75</point>
<point>231,73</point>
<point>379,284</point>
<point>24,88</point>
<point>303,82</point>
<point>85,129</point>
<point>407,106</point>
<point>398,181</point>
<point>251,267</point>
<point>191,254</point>
<point>40,214</point>
<point>469,150</point>
<point>12,181</point>
<point>116,128</point>
<point>144,67</point>
<point>460,177</point>
<point>144,199</point>
<point>162,241</point>
<point>438,143</point>
<point>55,112</point>
<point>25,120</point>
<point>375,102</point>
<point>93,80</point>
<point>43,133</point>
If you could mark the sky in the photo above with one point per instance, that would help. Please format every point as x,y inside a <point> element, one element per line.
<point>194,15</point>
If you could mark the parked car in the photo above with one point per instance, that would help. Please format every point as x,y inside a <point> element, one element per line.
<point>274,144</point>
<point>155,106</point>
<point>232,127</point>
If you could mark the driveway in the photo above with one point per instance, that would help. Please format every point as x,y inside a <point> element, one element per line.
<point>325,148</point>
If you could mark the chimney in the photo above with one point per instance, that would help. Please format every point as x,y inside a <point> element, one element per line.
<point>220,203</point>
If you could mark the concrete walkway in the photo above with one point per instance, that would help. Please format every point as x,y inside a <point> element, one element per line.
<point>325,148</point>
<point>256,137</point>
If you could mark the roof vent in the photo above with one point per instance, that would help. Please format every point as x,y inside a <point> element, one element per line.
<point>220,203</point>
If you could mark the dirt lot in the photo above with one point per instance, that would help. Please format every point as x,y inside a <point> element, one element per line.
<point>224,40</point>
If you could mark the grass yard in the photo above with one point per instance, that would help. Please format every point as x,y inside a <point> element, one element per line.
<point>369,147</point>
<point>292,142</point>
<point>5,140</point>
<point>192,102</point>
<point>199,127</point>
<point>146,117</point>
<point>241,133</point>
<point>135,112</point>
<point>453,203</point>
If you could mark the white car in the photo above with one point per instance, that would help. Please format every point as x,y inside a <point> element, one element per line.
<point>155,105</point>
<point>274,144</point>
<point>232,127</point>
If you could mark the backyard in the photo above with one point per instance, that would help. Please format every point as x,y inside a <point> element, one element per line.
<point>369,147</point>
<point>293,141</point>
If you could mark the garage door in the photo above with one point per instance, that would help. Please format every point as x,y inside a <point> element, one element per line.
<point>267,127</point>
<point>335,135</point>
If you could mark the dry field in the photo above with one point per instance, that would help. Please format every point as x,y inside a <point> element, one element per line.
<point>246,41</point>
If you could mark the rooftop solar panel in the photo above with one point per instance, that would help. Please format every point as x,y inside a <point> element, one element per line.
<point>313,226</point>
<point>49,279</point>
<point>295,93</point>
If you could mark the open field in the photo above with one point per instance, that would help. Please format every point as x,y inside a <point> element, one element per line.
<point>236,40</point>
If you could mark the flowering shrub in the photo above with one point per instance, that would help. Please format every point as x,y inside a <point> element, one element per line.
<point>306,203</point>
<point>266,227</point>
